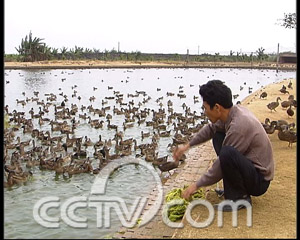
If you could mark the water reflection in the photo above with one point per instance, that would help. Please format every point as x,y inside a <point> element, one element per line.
<point>34,80</point>
<point>34,83</point>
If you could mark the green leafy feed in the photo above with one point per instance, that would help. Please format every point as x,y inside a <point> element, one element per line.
<point>176,212</point>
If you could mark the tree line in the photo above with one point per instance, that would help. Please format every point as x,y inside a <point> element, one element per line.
<point>34,49</point>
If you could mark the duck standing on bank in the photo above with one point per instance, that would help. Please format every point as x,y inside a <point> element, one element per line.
<point>168,166</point>
<point>290,111</point>
<point>263,95</point>
<point>286,134</point>
<point>274,105</point>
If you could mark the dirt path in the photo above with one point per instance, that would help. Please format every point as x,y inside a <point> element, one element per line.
<point>274,213</point>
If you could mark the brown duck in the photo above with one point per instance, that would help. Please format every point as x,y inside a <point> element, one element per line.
<point>160,160</point>
<point>284,134</point>
<point>269,127</point>
<point>168,166</point>
<point>285,104</point>
<point>273,105</point>
<point>263,95</point>
<point>290,111</point>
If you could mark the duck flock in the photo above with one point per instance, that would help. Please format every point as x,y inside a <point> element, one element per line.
<point>53,130</point>
<point>286,131</point>
<point>47,136</point>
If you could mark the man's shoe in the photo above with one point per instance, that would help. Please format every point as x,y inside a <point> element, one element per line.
<point>230,205</point>
<point>220,192</point>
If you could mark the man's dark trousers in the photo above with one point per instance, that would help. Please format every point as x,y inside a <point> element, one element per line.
<point>240,178</point>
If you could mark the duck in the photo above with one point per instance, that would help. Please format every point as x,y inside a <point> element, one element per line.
<point>263,95</point>
<point>168,166</point>
<point>160,160</point>
<point>108,156</point>
<point>59,168</point>
<point>88,142</point>
<point>290,111</point>
<point>99,142</point>
<point>108,143</point>
<point>285,104</point>
<point>140,120</point>
<point>49,164</point>
<point>85,167</point>
<point>267,121</point>
<point>144,135</point>
<point>32,162</point>
<point>58,148</point>
<point>269,128</point>
<point>9,183</point>
<point>97,152</point>
<point>284,134</point>
<point>291,98</point>
<point>14,167</point>
<point>164,134</point>
<point>70,141</point>
<point>284,91</point>
<point>27,129</point>
<point>136,147</point>
<point>128,141</point>
<point>112,126</point>
<point>53,129</point>
<point>125,152</point>
<point>150,156</point>
<point>179,139</point>
<point>279,123</point>
<point>98,124</point>
<point>127,125</point>
<point>273,105</point>
<point>92,122</point>
<point>41,121</point>
<point>10,145</point>
<point>79,153</point>
<point>14,178</point>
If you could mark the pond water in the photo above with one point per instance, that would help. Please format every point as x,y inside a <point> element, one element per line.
<point>129,181</point>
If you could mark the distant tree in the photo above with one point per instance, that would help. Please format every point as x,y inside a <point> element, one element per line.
<point>238,55</point>
<point>32,49</point>
<point>63,52</point>
<point>113,51</point>
<point>289,20</point>
<point>260,54</point>
<point>217,57</point>
<point>87,50</point>
<point>78,52</point>
<point>47,53</point>
<point>245,57</point>
<point>138,55</point>
<point>54,52</point>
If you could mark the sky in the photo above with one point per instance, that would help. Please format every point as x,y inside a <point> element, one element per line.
<point>152,26</point>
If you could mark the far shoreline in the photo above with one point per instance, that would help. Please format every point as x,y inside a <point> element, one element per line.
<point>97,64</point>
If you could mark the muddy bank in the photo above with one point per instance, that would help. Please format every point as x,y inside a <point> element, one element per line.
<point>67,64</point>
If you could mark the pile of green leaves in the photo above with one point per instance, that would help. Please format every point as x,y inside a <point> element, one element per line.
<point>6,121</point>
<point>176,212</point>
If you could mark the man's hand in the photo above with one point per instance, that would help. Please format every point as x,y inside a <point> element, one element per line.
<point>179,151</point>
<point>189,191</point>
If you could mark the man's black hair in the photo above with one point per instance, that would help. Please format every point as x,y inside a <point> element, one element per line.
<point>215,91</point>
